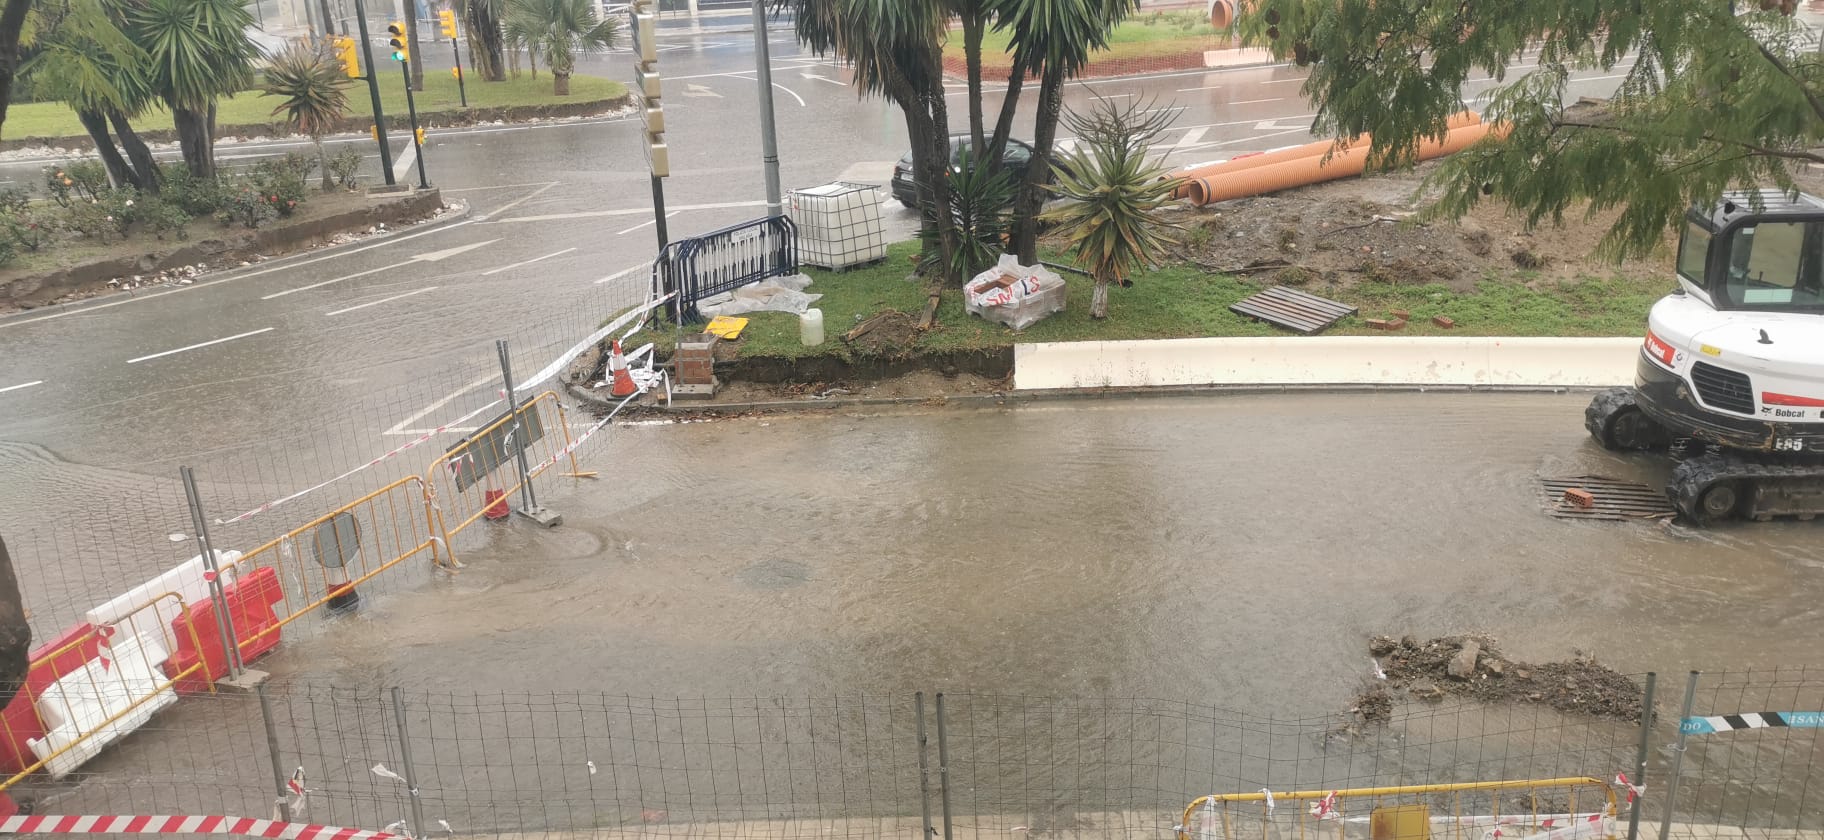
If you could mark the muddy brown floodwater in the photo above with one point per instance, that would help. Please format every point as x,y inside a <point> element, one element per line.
<point>1239,550</point>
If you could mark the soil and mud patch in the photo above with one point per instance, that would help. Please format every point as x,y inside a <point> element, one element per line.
<point>1473,667</point>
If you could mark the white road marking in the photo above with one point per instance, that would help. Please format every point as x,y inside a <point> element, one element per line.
<point>433,256</point>
<point>1205,87</point>
<point>197,346</point>
<point>381,301</point>
<point>1190,139</point>
<point>1282,81</point>
<point>700,90</point>
<point>631,211</point>
<point>789,91</point>
<point>623,273</point>
<point>1257,138</point>
<point>399,428</point>
<point>515,203</point>
<point>1258,101</point>
<point>521,263</point>
<point>21,386</point>
<point>647,223</point>
<point>500,187</point>
<point>402,165</point>
<point>1268,125</point>
<point>822,79</point>
<point>391,240</point>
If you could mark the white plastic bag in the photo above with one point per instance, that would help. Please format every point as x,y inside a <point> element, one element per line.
<point>1013,294</point>
<point>775,294</point>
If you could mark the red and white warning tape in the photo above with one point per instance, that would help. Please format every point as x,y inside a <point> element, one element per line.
<point>242,826</point>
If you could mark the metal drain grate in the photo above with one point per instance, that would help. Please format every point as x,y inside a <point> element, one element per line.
<point>1293,310</point>
<point>1615,500</point>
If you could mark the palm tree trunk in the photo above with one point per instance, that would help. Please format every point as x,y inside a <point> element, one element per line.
<point>194,140</point>
<point>323,163</point>
<point>1032,192</point>
<point>96,124</point>
<point>149,175</point>
<point>12,25</point>
<point>485,42</point>
<point>1098,302</point>
<point>560,83</point>
<point>1010,106</point>
<point>973,24</point>
<point>15,632</point>
<point>411,39</point>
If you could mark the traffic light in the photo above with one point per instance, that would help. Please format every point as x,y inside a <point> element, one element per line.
<point>420,136</point>
<point>456,73</point>
<point>447,19</point>
<point>401,48</point>
<point>345,53</point>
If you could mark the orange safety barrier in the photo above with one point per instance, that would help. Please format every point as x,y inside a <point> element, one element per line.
<point>323,562</point>
<point>1312,170</point>
<point>479,476</point>
<point>1461,119</point>
<point>91,685</point>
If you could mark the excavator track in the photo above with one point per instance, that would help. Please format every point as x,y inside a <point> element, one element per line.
<point>1615,420</point>
<point>1719,486</point>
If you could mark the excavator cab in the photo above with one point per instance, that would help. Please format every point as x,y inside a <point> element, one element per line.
<point>1768,260</point>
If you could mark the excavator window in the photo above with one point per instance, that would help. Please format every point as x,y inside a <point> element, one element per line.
<point>1693,249</point>
<point>1774,265</point>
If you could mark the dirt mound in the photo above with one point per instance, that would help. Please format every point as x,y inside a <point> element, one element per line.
<point>1337,234</point>
<point>889,334</point>
<point>1474,667</point>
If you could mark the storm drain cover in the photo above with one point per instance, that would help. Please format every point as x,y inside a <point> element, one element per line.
<point>1607,499</point>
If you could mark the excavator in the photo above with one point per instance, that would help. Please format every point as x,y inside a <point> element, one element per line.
<point>1730,380</point>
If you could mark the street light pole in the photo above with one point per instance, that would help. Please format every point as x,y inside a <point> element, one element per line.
<point>373,90</point>
<point>411,112</point>
<point>769,141</point>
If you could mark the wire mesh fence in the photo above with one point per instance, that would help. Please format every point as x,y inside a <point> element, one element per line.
<point>970,765</point>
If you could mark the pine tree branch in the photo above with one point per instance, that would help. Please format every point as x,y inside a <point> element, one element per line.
<point>1756,150</point>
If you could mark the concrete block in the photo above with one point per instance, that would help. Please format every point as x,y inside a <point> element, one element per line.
<point>249,680</point>
<point>542,515</point>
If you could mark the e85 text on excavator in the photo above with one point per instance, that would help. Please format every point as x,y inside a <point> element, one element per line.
<point>1731,377</point>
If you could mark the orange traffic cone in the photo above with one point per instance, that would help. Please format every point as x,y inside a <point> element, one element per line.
<point>621,382</point>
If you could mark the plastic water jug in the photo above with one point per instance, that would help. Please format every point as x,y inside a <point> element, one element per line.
<point>810,327</point>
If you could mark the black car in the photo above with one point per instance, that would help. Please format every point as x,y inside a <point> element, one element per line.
<point>1015,158</point>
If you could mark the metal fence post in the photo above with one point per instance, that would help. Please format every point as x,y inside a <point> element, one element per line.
<point>1640,757</point>
<point>924,767</point>
<point>272,749</point>
<point>1678,757</point>
<point>529,507</point>
<point>405,760</point>
<point>223,620</point>
<point>943,764</point>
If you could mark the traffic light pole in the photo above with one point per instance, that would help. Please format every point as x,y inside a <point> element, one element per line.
<point>411,112</point>
<point>462,90</point>
<point>373,90</point>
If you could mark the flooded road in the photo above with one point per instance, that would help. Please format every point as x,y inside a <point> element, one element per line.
<point>1238,550</point>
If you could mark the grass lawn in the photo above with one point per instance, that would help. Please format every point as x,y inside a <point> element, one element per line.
<point>1180,302</point>
<point>1143,36</point>
<point>55,119</point>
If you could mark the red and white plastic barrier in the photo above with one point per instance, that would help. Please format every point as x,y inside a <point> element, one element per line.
<point>242,826</point>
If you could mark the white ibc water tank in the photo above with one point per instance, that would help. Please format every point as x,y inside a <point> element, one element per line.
<point>839,225</point>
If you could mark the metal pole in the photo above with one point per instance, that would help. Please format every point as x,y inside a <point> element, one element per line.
<point>373,92</point>
<point>223,620</point>
<point>272,749</point>
<point>658,210</point>
<point>1640,756</point>
<point>943,764</point>
<point>329,24</point>
<point>769,141</point>
<point>527,499</point>
<point>924,772</point>
<point>405,758</point>
<point>411,114</point>
<point>462,88</point>
<point>1678,757</point>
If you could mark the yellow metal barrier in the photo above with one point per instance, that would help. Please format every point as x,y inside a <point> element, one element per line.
<point>329,557</point>
<point>113,683</point>
<point>1576,808</point>
<point>479,475</point>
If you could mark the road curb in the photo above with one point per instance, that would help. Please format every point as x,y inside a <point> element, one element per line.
<point>227,274</point>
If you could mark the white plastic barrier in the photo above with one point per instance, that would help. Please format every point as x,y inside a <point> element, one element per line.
<point>186,580</point>
<point>1326,360</point>
<point>82,702</point>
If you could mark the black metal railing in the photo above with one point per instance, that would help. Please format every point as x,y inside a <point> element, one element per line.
<point>722,261</point>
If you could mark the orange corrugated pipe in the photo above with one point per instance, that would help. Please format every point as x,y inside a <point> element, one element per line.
<point>1311,170</point>
<point>1321,147</point>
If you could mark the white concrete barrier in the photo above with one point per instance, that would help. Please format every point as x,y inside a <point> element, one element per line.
<point>1339,360</point>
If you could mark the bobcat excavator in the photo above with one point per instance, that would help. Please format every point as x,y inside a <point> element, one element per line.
<point>1731,377</point>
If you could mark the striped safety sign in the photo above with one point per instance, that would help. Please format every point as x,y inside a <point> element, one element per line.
<point>1751,720</point>
<point>187,825</point>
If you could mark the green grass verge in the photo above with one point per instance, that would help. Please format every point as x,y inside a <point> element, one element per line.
<point>440,96</point>
<point>1185,302</point>
<point>1140,37</point>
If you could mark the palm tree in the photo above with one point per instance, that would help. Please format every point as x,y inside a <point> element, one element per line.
<point>1114,193</point>
<point>313,95</point>
<point>81,57</point>
<point>197,52</point>
<point>556,30</point>
<point>1054,38</point>
<point>486,47</point>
